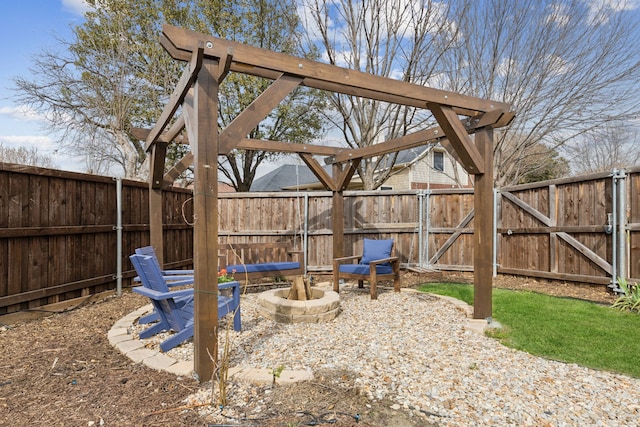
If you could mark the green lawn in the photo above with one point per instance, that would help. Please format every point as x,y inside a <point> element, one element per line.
<point>563,329</point>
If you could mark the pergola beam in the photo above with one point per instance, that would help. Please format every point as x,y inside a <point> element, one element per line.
<point>179,42</point>
<point>327,180</point>
<point>184,84</point>
<point>420,138</point>
<point>455,131</point>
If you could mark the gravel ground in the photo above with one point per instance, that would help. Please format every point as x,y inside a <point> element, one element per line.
<point>414,351</point>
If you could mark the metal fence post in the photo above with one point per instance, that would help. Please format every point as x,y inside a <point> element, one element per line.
<point>621,231</point>
<point>305,237</point>
<point>118,229</point>
<point>495,232</point>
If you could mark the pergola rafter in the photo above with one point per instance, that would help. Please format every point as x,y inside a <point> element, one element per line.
<point>210,59</point>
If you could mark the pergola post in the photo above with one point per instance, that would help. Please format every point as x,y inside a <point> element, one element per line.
<point>155,223</point>
<point>337,220</point>
<point>483,227</point>
<point>202,123</point>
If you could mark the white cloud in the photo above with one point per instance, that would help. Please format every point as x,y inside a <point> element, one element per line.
<point>76,6</point>
<point>599,10</point>
<point>35,140</point>
<point>21,112</point>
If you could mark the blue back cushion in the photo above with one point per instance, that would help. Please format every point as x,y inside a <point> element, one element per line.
<point>376,249</point>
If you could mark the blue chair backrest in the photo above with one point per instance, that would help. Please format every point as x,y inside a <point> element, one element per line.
<point>149,251</point>
<point>149,272</point>
<point>376,249</point>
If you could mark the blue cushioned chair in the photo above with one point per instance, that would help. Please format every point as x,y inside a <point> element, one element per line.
<point>375,264</point>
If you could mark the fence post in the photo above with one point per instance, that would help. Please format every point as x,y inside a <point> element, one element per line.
<point>305,237</point>
<point>423,228</point>
<point>622,224</point>
<point>118,229</point>
<point>420,228</point>
<point>496,196</point>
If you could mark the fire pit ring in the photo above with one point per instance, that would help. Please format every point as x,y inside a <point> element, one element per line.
<point>323,307</point>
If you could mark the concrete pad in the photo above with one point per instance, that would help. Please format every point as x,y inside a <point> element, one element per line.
<point>476,325</point>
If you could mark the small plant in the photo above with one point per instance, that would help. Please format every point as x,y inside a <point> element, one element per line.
<point>224,276</point>
<point>630,299</point>
<point>276,372</point>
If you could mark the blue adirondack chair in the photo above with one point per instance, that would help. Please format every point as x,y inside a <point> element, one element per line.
<point>173,278</point>
<point>175,309</point>
<point>149,251</point>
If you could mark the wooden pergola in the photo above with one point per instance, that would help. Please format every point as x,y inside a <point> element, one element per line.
<point>210,59</point>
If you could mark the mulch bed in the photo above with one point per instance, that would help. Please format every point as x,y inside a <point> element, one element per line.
<point>61,370</point>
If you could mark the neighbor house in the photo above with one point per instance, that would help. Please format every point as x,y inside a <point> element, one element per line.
<point>415,169</point>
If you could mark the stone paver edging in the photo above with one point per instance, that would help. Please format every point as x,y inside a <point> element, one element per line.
<point>120,337</point>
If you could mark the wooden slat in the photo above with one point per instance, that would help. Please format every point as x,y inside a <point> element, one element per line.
<point>53,231</point>
<point>556,276</point>
<point>556,229</point>
<point>459,230</point>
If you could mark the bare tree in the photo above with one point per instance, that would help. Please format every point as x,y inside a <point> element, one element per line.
<point>612,146</point>
<point>566,66</point>
<point>115,76</point>
<point>107,80</point>
<point>25,156</point>
<point>391,38</point>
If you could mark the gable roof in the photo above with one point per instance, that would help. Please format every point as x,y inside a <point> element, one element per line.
<point>285,176</point>
<point>293,176</point>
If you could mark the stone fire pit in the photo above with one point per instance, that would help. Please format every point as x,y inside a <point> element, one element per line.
<point>322,307</point>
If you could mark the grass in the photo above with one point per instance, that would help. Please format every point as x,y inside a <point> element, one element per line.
<point>564,329</point>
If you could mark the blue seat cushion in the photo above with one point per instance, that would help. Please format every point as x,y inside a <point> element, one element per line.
<point>364,269</point>
<point>262,267</point>
<point>376,249</point>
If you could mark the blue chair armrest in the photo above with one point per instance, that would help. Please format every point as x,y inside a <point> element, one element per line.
<point>159,296</point>
<point>177,272</point>
<point>383,260</point>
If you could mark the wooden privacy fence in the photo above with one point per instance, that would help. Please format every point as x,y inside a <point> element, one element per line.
<point>583,229</point>
<point>59,234</point>
<point>59,230</point>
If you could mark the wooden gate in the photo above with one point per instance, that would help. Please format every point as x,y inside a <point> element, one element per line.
<point>557,229</point>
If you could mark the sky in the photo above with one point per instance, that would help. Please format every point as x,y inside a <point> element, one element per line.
<point>28,27</point>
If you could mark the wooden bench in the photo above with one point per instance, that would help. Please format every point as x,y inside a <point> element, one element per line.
<point>258,260</point>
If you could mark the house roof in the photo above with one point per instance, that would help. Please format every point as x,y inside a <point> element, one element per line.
<point>293,176</point>
<point>285,176</point>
